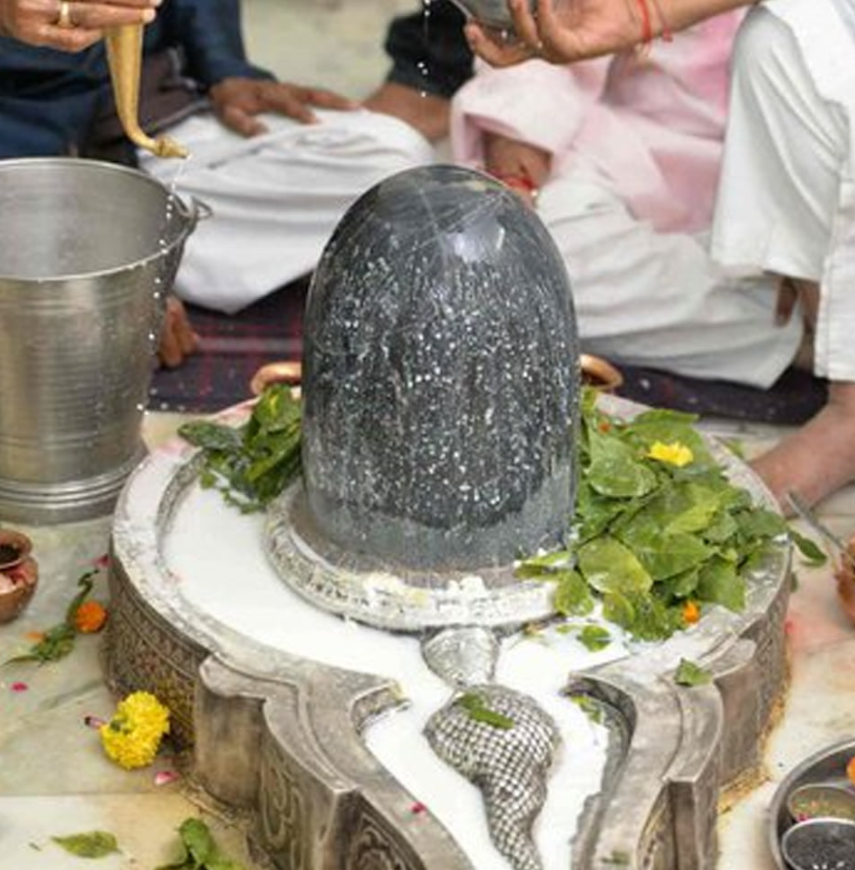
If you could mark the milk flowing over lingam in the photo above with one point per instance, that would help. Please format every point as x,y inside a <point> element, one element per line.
<point>440,399</point>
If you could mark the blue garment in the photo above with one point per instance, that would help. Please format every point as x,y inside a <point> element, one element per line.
<point>49,99</point>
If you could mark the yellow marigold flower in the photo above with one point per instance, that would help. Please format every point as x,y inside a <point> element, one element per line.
<point>672,454</point>
<point>132,737</point>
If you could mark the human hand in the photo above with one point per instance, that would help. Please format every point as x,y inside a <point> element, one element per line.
<point>69,26</point>
<point>562,31</point>
<point>520,166</point>
<point>177,338</point>
<point>238,102</point>
<point>428,113</point>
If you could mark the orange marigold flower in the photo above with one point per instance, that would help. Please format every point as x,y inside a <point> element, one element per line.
<point>691,612</point>
<point>90,617</point>
<point>850,770</point>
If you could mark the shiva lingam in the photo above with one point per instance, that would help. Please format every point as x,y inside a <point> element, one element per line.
<point>124,56</point>
<point>428,468</point>
<point>19,573</point>
<point>440,399</point>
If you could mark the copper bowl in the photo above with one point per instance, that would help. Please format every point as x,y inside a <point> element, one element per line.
<point>599,373</point>
<point>290,372</point>
<point>19,574</point>
<point>14,548</point>
<point>596,372</point>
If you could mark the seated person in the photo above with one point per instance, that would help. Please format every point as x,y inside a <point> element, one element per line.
<point>278,163</point>
<point>431,59</point>
<point>786,200</point>
<point>624,155</point>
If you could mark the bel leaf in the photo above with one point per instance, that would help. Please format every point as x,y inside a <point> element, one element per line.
<point>691,674</point>
<point>93,844</point>
<point>609,566</point>
<point>594,637</point>
<point>572,595</point>
<point>810,550</point>
<point>621,477</point>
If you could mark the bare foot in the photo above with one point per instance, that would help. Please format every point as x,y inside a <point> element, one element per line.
<point>817,459</point>
<point>177,339</point>
<point>428,113</point>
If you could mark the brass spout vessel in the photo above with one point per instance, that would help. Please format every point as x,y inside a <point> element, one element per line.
<point>124,56</point>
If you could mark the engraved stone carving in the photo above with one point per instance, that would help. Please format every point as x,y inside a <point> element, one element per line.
<point>509,763</point>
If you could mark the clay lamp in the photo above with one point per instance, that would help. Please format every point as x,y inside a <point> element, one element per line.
<point>19,573</point>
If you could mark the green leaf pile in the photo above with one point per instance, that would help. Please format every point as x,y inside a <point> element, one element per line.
<point>651,535</point>
<point>198,851</point>
<point>253,463</point>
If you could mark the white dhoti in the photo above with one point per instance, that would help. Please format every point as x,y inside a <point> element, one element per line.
<point>275,198</point>
<point>787,193</point>
<point>658,299</point>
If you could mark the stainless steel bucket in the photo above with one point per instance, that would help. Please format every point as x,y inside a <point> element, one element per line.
<point>88,251</point>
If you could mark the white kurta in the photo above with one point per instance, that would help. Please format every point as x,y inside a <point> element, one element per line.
<point>275,198</point>
<point>787,192</point>
<point>635,151</point>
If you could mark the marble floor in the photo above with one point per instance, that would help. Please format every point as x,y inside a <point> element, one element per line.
<point>55,780</point>
<point>53,777</point>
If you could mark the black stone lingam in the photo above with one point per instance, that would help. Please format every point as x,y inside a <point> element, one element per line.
<point>440,378</point>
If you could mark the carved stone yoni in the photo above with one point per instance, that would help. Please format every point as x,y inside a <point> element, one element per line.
<point>440,377</point>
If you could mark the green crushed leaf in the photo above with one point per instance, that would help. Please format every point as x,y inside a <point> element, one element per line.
<point>58,641</point>
<point>736,447</point>
<point>609,566</point>
<point>589,707</point>
<point>572,594</point>
<point>720,583</point>
<point>690,674</point>
<point>94,844</point>
<point>595,637</point>
<point>198,851</point>
<point>811,552</point>
<point>251,464</point>
<point>550,561</point>
<point>477,710</point>
<point>617,857</point>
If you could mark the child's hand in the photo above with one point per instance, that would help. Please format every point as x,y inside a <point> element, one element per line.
<point>521,166</point>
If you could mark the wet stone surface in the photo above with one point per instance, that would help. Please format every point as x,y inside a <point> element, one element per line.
<point>441,377</point>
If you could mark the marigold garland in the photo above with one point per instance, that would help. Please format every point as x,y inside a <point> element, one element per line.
<point>132,737</point>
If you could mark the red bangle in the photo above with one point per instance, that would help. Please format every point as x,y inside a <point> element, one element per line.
<point>511,180</point>
<point>646,23</point>
<point>667,35</point>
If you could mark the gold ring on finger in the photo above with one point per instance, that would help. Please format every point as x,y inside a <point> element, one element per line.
<point>64,19</point>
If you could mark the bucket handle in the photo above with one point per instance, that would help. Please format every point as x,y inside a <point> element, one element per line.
<point>193,210</point>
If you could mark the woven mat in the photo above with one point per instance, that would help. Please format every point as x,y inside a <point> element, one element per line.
<point>233,348</point>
